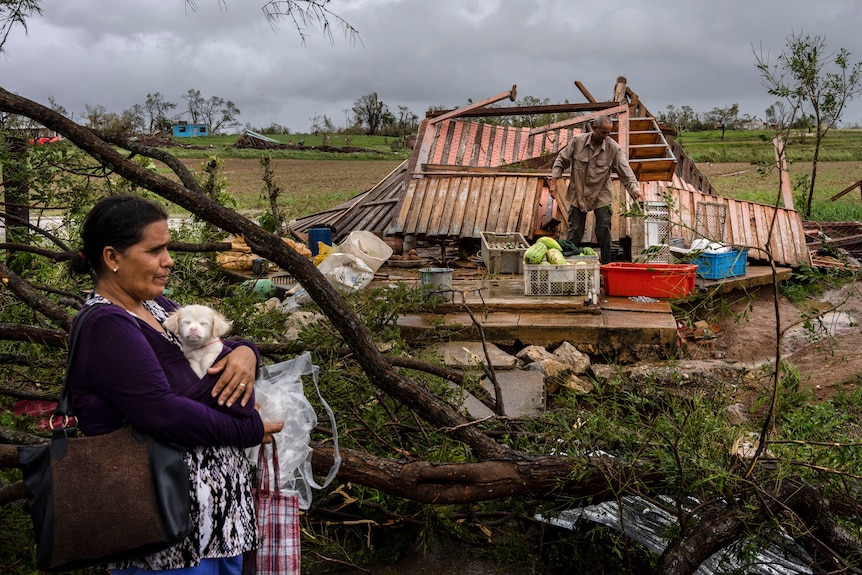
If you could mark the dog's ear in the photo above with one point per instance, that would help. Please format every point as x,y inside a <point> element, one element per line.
<point>172,323</point>
<point>220,324</point>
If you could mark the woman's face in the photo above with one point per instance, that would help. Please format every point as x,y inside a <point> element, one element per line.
<point>143,269</point>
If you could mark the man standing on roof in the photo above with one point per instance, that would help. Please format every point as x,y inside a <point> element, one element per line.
<point>591,157</point>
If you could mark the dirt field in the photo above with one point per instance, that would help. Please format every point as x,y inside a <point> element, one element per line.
<point>307,186</point>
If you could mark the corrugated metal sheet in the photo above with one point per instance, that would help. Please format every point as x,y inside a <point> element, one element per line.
<point>461,143</point>
<point>371,210</point>
<point>651,525</point>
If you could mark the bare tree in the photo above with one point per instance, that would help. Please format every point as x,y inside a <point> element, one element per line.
<point>822,82</point>
<point>218,113</point>
<point>370,112</point>
<point>724,117</point>
<point>194,105</point>
<point>157,109</point>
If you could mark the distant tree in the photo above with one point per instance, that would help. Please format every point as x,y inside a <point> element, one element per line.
<point>95,116</point>
<point>823,82</point>
<point>321,124</point>
<point>60,109</point>
<point>530,120</point>
<point>407,120</point>
<point>194,105</point>
<point>273,128</point>
<point>218,114</point>
<point>370,112</point>
<point>135,118</point>
<point>682,119</point>
<point>157,108</point>
<point>724,117</point>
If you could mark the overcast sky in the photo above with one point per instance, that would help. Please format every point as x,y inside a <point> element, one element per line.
<point>414,53</point>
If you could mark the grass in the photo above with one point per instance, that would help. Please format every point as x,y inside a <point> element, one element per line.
<point>372,147</point>
<point>753,146</point>
<point>754,183</point>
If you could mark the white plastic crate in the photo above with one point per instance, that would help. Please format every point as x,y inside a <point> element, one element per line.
<point>577,278</point>
<point>649,234</point>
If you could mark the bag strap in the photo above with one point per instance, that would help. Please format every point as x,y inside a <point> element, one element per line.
<point>336,457</point>
<point>64,405</point>
<point>263,468</point>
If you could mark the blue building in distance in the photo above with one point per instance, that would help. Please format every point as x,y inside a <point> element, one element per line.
<point>186,130</point>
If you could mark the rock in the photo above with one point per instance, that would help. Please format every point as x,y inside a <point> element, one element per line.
<point>533,353</point>
<point>569,354</point>
<point>462,353</point>
<point>578,385</point>
<point>555,373</point>
<point>268,305</point>
<point>607,373</point>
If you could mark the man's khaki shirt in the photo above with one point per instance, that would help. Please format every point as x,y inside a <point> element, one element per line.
<point>590,183</point>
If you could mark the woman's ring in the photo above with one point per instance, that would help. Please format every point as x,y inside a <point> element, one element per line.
<point>242,385</point>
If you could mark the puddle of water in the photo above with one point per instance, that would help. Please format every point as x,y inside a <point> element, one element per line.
<point>830,324</point>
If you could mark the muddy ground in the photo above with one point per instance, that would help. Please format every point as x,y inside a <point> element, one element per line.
<point>820,337</point>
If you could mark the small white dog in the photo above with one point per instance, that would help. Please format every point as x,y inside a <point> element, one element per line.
<point>199,329</point>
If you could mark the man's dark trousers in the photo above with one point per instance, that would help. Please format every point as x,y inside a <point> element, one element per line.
<point>578,221</point>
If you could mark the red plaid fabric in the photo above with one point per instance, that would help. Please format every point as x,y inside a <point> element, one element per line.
<point>279,551</point>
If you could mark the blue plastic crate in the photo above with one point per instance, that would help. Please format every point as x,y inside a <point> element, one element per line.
<point>725,265</point>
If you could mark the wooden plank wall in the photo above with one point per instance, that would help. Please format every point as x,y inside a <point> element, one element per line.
<point>461,143</point>
<point>747,223</point>
<point>464,206</point>
<point>688,170</point>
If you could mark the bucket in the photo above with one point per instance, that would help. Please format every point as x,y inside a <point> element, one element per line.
<point>439,278</point>
<point>319,234</point>
<point>409,243</point>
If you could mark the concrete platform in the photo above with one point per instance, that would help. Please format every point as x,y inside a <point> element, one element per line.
<point>618,325</point>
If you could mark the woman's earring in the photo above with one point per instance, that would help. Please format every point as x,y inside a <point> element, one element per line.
<point>115,270</point>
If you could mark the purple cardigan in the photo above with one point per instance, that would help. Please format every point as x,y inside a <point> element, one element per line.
<point>126,371</point>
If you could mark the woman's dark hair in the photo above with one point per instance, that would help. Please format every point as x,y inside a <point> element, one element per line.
<point>116,221</point>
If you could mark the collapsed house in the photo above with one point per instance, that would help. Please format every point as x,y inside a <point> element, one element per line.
<point>465,177</point>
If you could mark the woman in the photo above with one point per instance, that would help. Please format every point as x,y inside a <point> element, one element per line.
<point>128,369</point>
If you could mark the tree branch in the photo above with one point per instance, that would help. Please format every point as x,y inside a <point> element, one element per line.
<point>273,248</point>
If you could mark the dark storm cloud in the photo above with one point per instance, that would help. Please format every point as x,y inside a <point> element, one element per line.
<point>414,53</point>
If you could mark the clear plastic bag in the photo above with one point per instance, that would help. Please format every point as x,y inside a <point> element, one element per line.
<point>280,395</point>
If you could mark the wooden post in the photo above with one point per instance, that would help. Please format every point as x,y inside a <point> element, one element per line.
<point>511,94</point>
<point>784,175</point>
<point>585,92</point>
<point>620,90</point>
